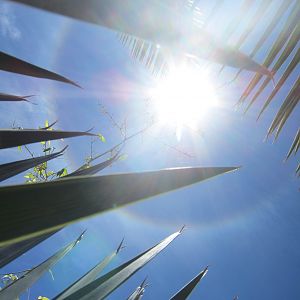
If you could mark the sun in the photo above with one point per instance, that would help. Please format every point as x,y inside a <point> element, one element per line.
<point>184,97</point>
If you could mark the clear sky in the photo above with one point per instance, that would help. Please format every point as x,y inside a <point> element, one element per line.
<point>245,224</point>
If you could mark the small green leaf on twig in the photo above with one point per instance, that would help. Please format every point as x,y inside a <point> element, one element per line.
<point>101,137</point>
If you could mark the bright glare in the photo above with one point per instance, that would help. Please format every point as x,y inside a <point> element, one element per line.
<point>184,98</point>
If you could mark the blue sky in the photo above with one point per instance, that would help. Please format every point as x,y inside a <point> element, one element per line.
<point>245,224</point>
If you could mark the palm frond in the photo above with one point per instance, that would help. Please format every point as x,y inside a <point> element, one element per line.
<point>290,68</point>
<point>287,107</point>
<point>269,29</point>
<point>287,29</point>
<point>295,145</point>
<point>166,28</point>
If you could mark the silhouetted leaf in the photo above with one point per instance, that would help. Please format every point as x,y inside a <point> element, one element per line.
<point>29,278</point>
<point>89,276</point>
<point>187,289</point>
<point>11,169</point>
<point>31,209</point>
<point>166,27</point>
<point>96,168</point>
<point>16,137</point>
<point>14,98</point>
<point>13,64</point>
<point>105,285</point>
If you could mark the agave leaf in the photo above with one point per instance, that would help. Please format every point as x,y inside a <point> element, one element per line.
<point>11,252</point>
<point>89,276</point>
<point>19,286</point>
<point>139,291</point>
<point>295,145</point>
<point>105,285</point>
<point>287,29</point>
<point>94,169</point>
<point>14,98</point>
<point>188,288</point>
<point>166,27</point>
<point>31,209</point>
<point>13,64</point>
<point>16,137</point>
<point>290,68</point>
<point>11,169</point>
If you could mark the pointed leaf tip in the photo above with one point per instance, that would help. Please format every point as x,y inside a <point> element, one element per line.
<point>84,196</point>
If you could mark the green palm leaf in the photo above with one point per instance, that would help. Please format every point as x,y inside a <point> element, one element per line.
<point>19,286</point>
<point>105,285</point>
<point>13,64</point>
<point>33,209</point>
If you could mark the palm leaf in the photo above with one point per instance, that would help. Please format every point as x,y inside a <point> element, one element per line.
<point>269,29</point>
<point>187,289</point>
<point>164,28</point>
<point>295,145</point>
<point>89,276</point>
<point>261,10</point>
<point>14,98</point>
<point>233,25</point>
<point>19,286</point>
<point>34,209</point>
<point>289,103</point>
<point>287,29</point>
<point>298,170</point>
<point>213,12</point>
<point>290,68</point>
<point>105,285</point>
<point>11,169</point>
<point>16,137</point>
<point>13,64</point>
